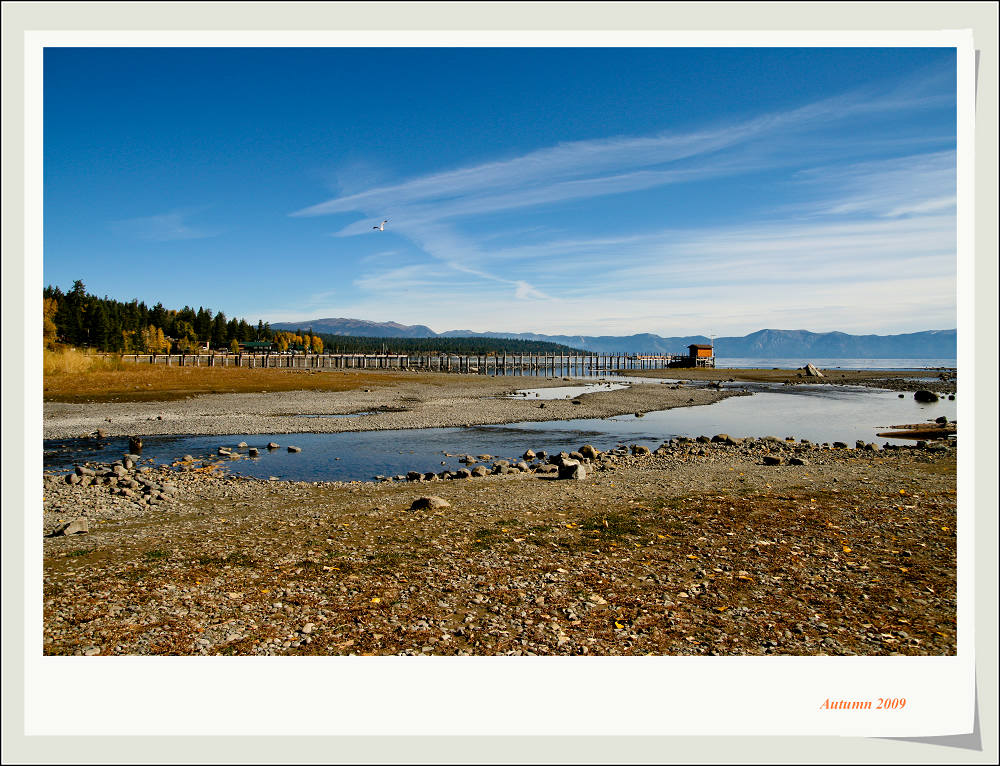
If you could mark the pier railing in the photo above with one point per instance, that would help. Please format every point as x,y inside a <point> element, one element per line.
<point>482,364</point>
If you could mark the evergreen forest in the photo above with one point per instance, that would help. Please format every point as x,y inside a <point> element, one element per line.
<point>80,319</point>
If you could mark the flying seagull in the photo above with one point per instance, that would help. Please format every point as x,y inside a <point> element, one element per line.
<point>381,226</point>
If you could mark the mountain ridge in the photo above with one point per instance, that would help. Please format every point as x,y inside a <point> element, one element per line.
<point>766,343</point>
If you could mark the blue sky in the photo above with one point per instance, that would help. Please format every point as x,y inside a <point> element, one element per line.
<point>581,191</point>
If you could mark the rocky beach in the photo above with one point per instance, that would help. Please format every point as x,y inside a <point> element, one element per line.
<point>707,546</point>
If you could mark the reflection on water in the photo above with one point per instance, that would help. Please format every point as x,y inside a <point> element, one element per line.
<point>565,392</point>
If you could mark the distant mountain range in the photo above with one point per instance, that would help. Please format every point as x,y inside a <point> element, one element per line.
<point>763,344</point>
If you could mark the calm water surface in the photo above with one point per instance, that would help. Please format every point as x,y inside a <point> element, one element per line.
<point>821,413</point>
<point>835,364</point>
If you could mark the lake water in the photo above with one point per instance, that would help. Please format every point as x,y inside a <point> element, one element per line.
<point>567,392</point>
<point>821,413</point>
<point>835,364</point>
<point>578,368</point>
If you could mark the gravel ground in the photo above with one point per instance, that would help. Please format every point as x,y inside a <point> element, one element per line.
<point>444,401</point>
<point>701,548</point>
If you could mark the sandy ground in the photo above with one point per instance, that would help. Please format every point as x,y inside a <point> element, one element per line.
<point>442,401</point>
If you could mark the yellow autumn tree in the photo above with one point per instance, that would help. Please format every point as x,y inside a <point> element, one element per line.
<point>317,344</point>
<point>152,340</point>
<point>49,308</point>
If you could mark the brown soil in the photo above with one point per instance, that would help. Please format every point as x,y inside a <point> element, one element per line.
<point>147,383</point>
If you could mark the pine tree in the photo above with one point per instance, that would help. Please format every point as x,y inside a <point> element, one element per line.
<point>97,326</point>
<point>219,339</point>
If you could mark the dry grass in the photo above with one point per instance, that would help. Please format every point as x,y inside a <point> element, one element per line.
<point>70,361</point>
<point>72,376</point>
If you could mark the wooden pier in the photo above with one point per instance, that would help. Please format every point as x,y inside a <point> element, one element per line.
<point>474,364</point>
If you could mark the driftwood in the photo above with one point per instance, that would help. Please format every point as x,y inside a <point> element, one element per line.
<point>921,431</point>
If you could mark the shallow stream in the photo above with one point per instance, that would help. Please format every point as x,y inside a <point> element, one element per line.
<point>820,413</point>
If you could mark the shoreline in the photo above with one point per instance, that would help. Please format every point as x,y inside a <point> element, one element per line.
<point>442,401</point>
<point>430,400</point>
<point>932,379</point>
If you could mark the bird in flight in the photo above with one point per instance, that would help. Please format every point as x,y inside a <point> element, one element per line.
<point>381,226</point>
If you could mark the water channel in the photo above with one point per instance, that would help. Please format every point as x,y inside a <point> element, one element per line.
<point>820,413</point>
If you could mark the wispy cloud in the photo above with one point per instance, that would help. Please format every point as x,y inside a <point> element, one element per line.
<point>878,233</point>
<point>166,227</point>
<point>599,167</point>
<point>891,188</point>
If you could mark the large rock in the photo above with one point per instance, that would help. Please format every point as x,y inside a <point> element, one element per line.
<point>589,452</point>
<point>812,371</point>
<point>480,470</point>
<point>925,396</point>
<point>572,469</point>
<point>429,502</point>
<point>638,450</point>
<point>134,444</point>
<point>78,526</point>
